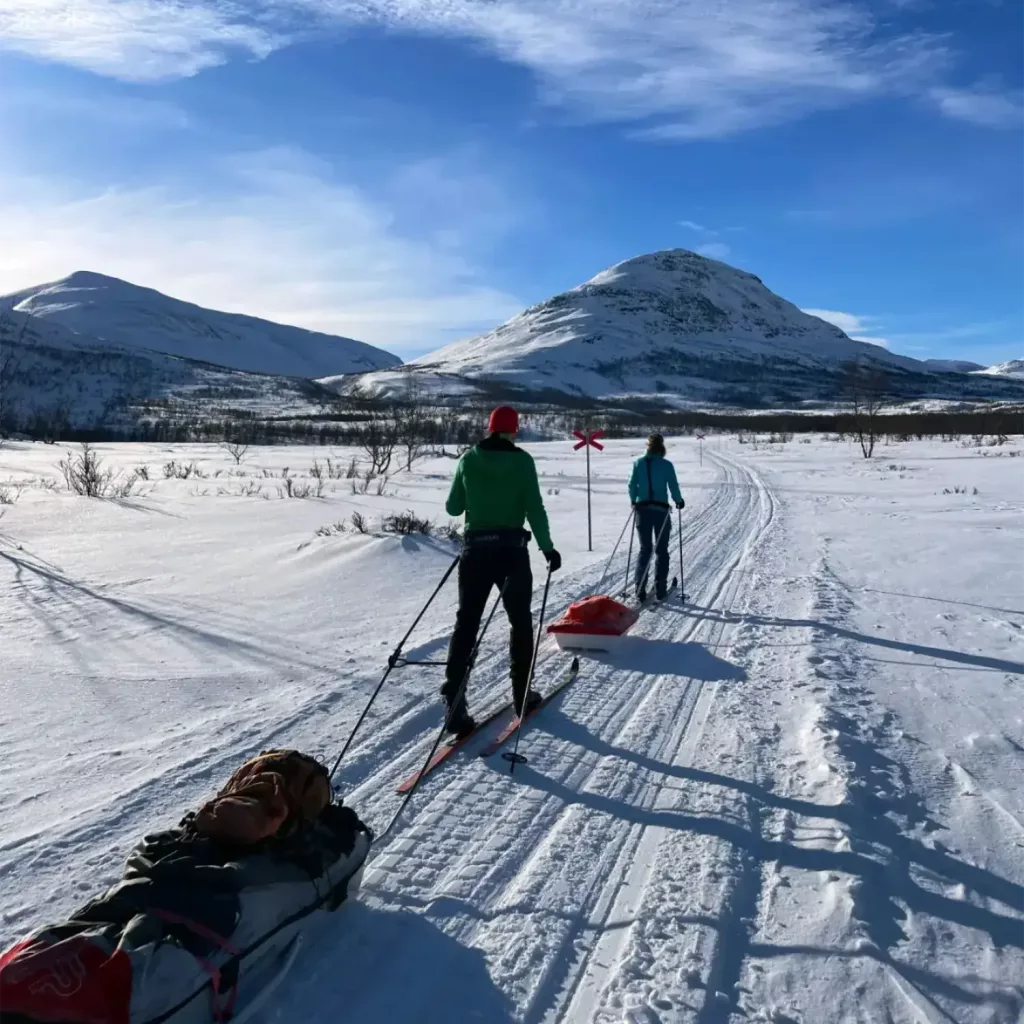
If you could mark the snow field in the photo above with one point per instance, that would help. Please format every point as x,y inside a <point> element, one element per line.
<point>797,798</point>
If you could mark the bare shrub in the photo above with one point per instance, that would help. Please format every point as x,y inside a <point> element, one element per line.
<point>330,529</point>
<point>382,483</point>
<point>379,443</point>
<point>291,488</point>
<point>236,450</point>
<point>359,523</point>
<point>865,389</point>
<point>123,488</point>
<point>352,469</point>
<point>452,531</point>
<point>182,470</point>
<point>361,485</point>
<point>9,493</point>
<point>406,523</point>
<point>142,472</point>
<point>84,473</point>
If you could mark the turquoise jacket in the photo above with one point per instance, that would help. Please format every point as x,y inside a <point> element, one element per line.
<point>652,479</point>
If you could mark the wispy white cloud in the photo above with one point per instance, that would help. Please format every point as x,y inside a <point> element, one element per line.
<point>683,68</point>
<point>988,108</point>
<point>860,328</point>
<point>273,234</point>
<point>714,250</point>
<point>138,40</point>
<point>692,225</point>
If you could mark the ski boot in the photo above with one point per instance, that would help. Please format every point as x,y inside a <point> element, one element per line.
<point>534,698</point>
<point>460,722</point>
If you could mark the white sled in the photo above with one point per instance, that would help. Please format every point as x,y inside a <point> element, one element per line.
<point>596,623</point>
<point>607,642</point>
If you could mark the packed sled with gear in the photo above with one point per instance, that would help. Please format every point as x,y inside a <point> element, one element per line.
<point>208,916</point>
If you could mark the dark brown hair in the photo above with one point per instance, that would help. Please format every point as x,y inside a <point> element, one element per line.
<point>656,444</point>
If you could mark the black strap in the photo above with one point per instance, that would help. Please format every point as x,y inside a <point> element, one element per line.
<point>508,538</point>
<point>650,502</point>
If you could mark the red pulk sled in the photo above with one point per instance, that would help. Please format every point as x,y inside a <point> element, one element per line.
<point>596,623</point>
<point>599,622</point>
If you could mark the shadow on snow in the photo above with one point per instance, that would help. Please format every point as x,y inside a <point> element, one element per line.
<point>942,653</point>
<point>391,965</point>
<point>670,658</point>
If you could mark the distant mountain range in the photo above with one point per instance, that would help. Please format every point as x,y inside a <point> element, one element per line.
<point>130,317</point>
<point>678,328</point>
<point>671,328</point>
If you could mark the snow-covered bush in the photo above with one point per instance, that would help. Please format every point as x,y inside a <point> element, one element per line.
<point>406,523</point>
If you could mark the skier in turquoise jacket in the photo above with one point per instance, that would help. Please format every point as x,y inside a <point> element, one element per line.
<point>652,480</point>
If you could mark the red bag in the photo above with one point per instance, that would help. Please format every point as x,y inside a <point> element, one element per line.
<point>73,981</point>
<point>599,615</point>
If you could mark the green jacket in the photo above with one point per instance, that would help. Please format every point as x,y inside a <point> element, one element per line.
<point>496,486</point>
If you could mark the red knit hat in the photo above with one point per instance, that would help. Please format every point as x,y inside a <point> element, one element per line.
<point>504,420</point>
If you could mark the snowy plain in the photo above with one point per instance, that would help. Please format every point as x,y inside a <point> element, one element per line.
<point>798,797</point>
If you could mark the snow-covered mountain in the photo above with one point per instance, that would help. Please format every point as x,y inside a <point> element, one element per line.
<point>133,317</point>
<point>953,365</point>
<point>675,325</point>
<point>51,377</point>
<point>1011,368</point>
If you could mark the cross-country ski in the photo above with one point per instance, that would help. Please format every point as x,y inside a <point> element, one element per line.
<point>567,677</point>
<point>451,745</point>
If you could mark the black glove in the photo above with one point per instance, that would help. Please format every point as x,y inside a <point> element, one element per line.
<point>680,503</point>
<point>554,560</point>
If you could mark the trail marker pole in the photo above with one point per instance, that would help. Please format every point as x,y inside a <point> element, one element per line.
<point>700,438</point>
<point>588,440</point>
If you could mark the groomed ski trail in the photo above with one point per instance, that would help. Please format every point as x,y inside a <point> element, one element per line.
<point>541,871</point>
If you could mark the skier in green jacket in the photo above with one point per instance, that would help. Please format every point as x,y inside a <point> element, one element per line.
<point>496,487</point>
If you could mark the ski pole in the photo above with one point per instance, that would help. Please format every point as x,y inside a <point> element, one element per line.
<point>611,557</point>
<point>392,662</point>
<point>682,572</point>
<point>629,557</point>
<point>451,707</point>
<point>514,758</point>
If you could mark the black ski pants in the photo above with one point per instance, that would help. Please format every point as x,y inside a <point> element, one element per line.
<point>480,570</point>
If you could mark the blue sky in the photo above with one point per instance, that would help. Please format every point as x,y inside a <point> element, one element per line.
<point>409,172</point>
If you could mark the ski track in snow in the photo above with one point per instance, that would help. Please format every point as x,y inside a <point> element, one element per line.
<point>543,862</point>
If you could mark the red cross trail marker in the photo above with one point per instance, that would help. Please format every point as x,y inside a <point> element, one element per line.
<point>700,438</point>
<point>588,440</point>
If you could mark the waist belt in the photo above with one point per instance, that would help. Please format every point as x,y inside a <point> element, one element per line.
<point>653,504</point>
<point>501,538</point>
